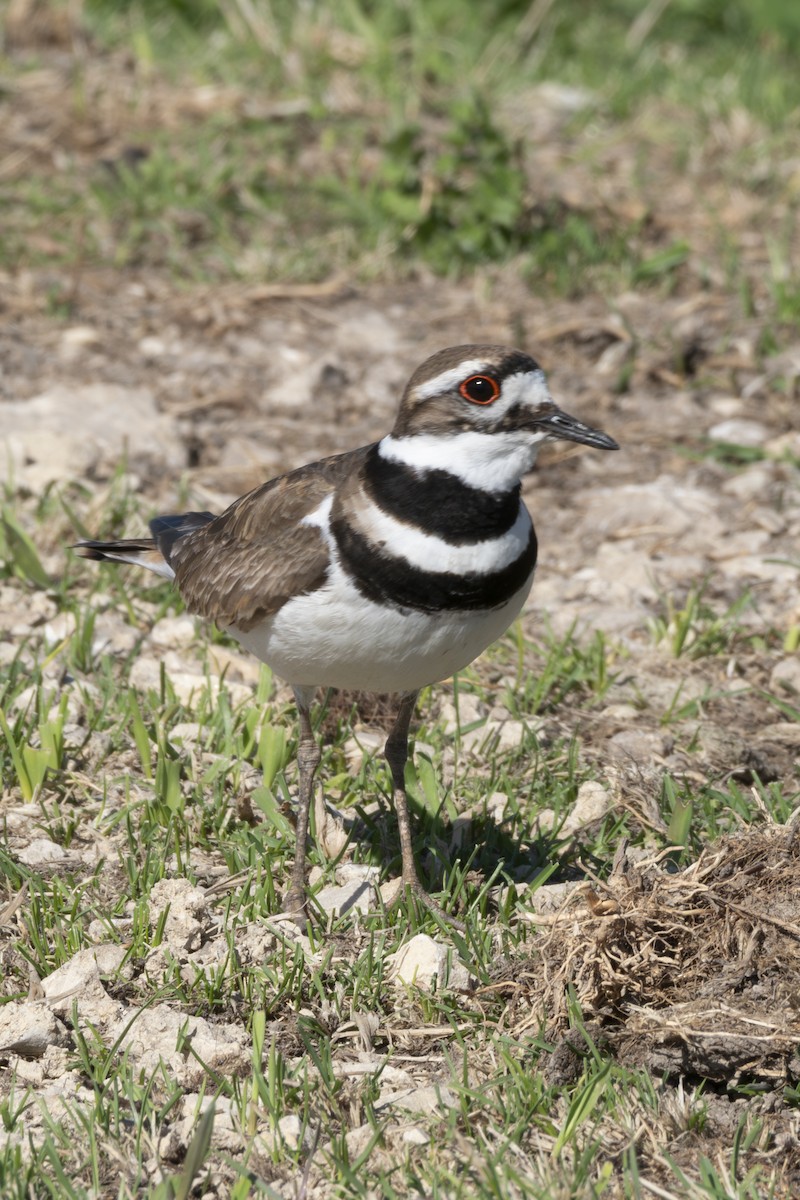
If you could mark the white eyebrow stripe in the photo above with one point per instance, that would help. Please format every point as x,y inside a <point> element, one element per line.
<point>448,379</point>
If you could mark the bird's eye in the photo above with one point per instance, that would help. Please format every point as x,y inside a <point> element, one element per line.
<point>480,389</point>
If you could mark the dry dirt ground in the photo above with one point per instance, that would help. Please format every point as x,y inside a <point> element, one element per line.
<point>214,388</point>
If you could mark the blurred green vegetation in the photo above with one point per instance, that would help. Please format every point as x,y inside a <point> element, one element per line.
<point>371,137</point>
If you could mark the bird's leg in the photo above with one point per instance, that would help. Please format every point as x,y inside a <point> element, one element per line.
<point>396,751</point>
<point>308,757</point>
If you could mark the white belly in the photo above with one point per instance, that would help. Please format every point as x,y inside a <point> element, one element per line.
<point>334,637</point>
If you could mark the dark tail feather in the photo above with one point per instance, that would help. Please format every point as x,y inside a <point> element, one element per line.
<point>141,552</point>
<point>152,553</point>
<point>105,551</point>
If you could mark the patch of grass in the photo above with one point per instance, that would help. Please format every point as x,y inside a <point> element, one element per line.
<point>366,138</point>
<point>407,51</point>
<point>456,203</point>
<point>694,628</point>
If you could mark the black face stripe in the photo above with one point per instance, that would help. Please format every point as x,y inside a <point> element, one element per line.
<point>438,502</point>
<point>515,363</point>
<point>399,584</point>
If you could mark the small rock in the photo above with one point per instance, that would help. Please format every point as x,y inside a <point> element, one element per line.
<point>470,709</point>
<point>153,347</point>
<point>189,686</point>
<point>591,804</point>
<point>750,484</point>
<point>157,1032</point>
<point>83,970</point>
<point>374,1064</point>
<point>50,1073</point>
<point>636,745</point>
<point>425,963</point>
<point>739,432</point>
<point>414,1136</point>
<point>25,699</point>
<point>546,820</point>
<point>733,545</point>
<point>391,890</point>
<point>726,406</point>
<point>551,897</point>
<point>748,566</point>
<point>423,1100</point>
<point>67,431</point>
<point>28,1028</point>
<point>362,746</point>
<point>496,806</point>
<point>41,852</point>
<point>665,510</point>
<point>186,732</point>
<point>359,895</point>
<point>98,929</point>
<point>785,676</point>
<point>187,915</point>
<point>19,819</point>
<point>77,339</point>
<point>769,519</point>
<point>294,1133</point>
<point>787,733</point>
<point>61,627</point>
<point>170,632</point>
<point>501,735</point>
<point>245,452</point>
<point>241,668</point>
<point>145,673</point>
<point>619,714</point>
<point>348,872</point>
<point>113,635</point>
<point>785,444</point>
<point>720,745</point>
<point>358,1139</point>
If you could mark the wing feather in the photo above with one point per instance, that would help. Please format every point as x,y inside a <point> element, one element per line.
<point>247,563</point>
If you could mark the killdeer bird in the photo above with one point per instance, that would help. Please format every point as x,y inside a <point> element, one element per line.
<point>383,569</point>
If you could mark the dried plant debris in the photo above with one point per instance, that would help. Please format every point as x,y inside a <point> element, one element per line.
<point>692,972</point>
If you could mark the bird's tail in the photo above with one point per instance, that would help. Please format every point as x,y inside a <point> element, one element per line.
<point>153,552</point>
<point>142,552</point>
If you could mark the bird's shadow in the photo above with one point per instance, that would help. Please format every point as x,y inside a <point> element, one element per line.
<point>476,844</point>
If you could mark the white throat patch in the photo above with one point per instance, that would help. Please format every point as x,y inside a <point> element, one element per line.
<point>490,462</point>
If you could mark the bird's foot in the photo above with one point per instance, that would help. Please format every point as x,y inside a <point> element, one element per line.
<point>412,884</point>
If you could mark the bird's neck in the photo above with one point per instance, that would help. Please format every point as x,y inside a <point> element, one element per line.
<point>437,500</point>
<point>484,462</point>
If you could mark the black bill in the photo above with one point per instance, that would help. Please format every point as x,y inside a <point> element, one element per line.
<point>559,424</point>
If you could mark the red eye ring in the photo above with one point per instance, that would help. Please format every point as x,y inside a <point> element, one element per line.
<point>480,389</point>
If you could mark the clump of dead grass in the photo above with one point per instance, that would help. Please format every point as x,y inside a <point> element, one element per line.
<point>687,972</point>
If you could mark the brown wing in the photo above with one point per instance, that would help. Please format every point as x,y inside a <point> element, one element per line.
<point>245,564</point>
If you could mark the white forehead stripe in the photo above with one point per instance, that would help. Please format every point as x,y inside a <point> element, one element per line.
<point>448,379</point>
